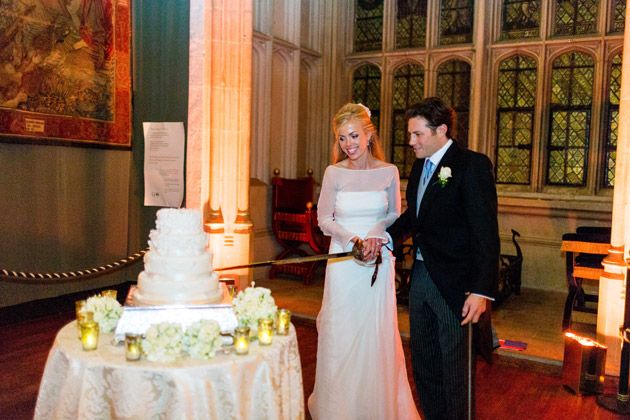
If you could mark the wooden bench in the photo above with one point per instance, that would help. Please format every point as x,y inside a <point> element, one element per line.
<point>585,249</point>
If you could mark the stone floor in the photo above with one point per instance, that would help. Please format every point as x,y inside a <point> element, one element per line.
<point>534,317</point>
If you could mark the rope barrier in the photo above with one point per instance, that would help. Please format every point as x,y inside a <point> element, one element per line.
<point>21,276</point>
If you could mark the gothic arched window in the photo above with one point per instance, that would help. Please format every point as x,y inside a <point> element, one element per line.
<point>572,76</point>
<point>368,25</point>
<point>610,148</point>
<point>453,86</point>
<point>520,19</point>
<point>456,21</point>
<point>576,17</point>
<point>411,23</point>
<point>366,90</point>
<point>516,107</point>
<point>618,16</point>
<point>408,89</point>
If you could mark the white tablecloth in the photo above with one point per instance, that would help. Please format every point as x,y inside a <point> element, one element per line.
<point>101,384</point>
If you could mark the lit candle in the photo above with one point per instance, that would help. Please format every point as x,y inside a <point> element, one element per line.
<point>89,335</point>
<point>241,340</point>
<point>132,346</point>
<point>283,321</point>
<point>83,316</point>
<point>265,331</point>
<point>109,293</point>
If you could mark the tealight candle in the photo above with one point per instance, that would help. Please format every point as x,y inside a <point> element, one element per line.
<point>283,321</point>
<point>89,335</point>
<point>109,293</point>
<point>265,331</point>
<point>241,340</point>
<point>83,316</point>
<point>132,346</point>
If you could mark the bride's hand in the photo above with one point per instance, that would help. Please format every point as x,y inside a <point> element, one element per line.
<point>371,248</point>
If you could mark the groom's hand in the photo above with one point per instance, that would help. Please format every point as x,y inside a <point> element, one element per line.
<point>474,306</point>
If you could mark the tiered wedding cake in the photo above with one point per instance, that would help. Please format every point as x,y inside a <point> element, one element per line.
<point>178,266</point>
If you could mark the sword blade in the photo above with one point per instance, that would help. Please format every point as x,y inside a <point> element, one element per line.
<point>297,260</point>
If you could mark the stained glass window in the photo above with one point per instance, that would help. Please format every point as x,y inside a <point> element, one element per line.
<point>516,101</point>
<point>368,25</point>
<point>619,16</point>
<point>576,17</point>
<point>453,87</point>
<point>408,89</point>
<point>610,156</point>
<point>411,23</point>
<point>366,89</point>
<point>521,19</point>
<point>569,128</point>
<point>456,21</point>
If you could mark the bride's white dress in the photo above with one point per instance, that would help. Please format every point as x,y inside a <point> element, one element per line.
<point>360,371</point>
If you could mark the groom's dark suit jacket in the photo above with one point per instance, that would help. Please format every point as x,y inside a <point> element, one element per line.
<point>456,227</point>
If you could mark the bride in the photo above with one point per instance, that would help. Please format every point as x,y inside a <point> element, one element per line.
<point>360,372</point>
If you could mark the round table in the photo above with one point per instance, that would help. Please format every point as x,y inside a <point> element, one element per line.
<point>101,384</point>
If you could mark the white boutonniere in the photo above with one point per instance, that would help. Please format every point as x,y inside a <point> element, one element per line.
<point>443,176</point>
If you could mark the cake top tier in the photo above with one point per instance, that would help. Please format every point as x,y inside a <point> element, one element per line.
<point>179,221</point>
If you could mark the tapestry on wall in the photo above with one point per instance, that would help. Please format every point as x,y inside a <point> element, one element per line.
<point>65,72</point>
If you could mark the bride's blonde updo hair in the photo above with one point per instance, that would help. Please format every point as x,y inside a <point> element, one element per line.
<point>359,113</point>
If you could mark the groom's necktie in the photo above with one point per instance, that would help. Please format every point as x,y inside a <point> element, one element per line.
<point>424,182</point>
<point>427,171</point>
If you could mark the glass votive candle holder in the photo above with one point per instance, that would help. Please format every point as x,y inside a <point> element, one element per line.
<point>79,305</point>
<point>89,335</point>
<point>283,321</point>
<point>265,331</point>
<point>133,341</point>
<point>83,316</point>
<point>232,290</point>
<point>110,293</point>
<point>241,340</point>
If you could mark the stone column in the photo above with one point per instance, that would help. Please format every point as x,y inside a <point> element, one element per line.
<point>218,143</point>
<point>612,285</point>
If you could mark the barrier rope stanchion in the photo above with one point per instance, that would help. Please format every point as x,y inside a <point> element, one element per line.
<point>25,277</point>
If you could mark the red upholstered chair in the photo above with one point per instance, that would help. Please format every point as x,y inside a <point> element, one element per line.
<point>294,225</point>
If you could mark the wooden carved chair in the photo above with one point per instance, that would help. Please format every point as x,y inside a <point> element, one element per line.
<point>294,224</point>
<point>585,249</point>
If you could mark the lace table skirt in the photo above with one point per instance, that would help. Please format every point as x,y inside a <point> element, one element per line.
<point>101,384</point>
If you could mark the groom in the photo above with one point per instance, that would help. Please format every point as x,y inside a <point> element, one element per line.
<point>452,216</point>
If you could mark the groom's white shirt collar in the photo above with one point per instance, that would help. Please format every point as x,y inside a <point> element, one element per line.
<point>436,157</point>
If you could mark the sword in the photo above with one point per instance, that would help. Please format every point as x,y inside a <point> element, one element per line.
<point>357,252</point>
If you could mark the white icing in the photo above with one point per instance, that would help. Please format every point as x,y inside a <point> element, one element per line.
<point>178,266</point>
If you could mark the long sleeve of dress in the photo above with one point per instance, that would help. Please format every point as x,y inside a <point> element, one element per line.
<point>326,209</point>
<point>393,210</point>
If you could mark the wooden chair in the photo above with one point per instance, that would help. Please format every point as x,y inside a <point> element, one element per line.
<point>294,224</point>
<point>585,249</point>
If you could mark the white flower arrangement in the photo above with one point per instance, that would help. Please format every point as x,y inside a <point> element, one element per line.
<point>162,342</point>
<point>252,304</point>
<point>443,176</point>
<point>107,312</point>
<point>202,339</point>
